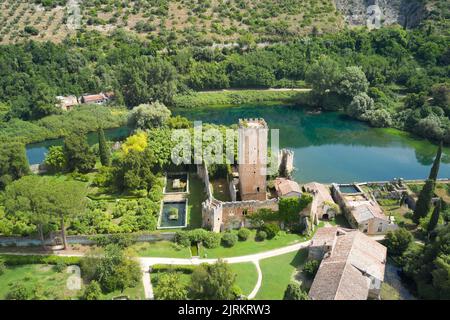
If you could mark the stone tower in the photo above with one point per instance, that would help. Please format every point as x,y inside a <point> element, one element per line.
<point>252,156</point>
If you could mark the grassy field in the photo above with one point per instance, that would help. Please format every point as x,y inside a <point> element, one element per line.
<point>220,189</point>
<point>278,273</point>
<point>206,21</point>
<point>252,246</point>
<point>136,293</point>
<point>196,196</point>
<point>49,283</point>
<point>171,250</point>
<point>246,276</point>
<point>52,285</point>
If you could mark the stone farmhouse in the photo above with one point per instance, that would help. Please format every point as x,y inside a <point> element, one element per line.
<point>352,266</point>
<point>67,103</point>
<point>361,210</point>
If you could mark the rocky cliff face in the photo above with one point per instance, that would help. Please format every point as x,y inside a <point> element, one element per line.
<point>407,13</point>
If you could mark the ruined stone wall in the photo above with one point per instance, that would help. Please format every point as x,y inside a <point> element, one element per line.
<point>236,214</point>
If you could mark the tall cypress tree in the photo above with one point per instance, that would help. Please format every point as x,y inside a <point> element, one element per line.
<point>437,161</point>
<point>434,217</point>
<point>423,204</point>
<point>105,153</point>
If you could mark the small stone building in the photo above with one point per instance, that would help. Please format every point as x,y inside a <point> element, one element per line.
<point>361,210</point>
<point>287,188</point>
<point>323,206</point>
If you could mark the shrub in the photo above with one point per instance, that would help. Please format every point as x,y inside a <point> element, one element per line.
<point>182,238</point>
<point>186,269</point>
<point>229,239</point>
<point>261,235</point>
<point>92,291</point>
<point>19,292</point>
<point>398,241</point>
<point>212,240</point>
<point>121,239</point>
<point>295,292</point>
<point>310,268</point>
<point>13,260</point>
<point>243,234</point>
<point>60,266</point>
<point>270,229</point>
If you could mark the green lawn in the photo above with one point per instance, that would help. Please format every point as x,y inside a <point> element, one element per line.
<point>247,276</point>
<point>51,284</point>
<point>251,246</point>
<point>341,221</point>
<point>196,196</point>
<point>162,248</point>
<point>136,293</point>
<point>278,273</point>
<point>220,189</point>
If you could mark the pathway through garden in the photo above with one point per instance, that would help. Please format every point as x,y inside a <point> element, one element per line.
<point>146,263</point>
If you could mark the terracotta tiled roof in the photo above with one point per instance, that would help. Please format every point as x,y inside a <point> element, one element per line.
<point>286,186</point>
<point>344,272</point>
<point>93,97</point>
<point>319,190</point>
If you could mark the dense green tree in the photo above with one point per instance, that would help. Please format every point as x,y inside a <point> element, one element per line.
<point>13,162</point>
<point>29,197</point>
<point>103,148</point>
<point>323,75</point>
<point>360,105</point>
<point>55,159</point>
<point>294,292</point>
<point>67,199</point>
<point>434,219</point>
<point>437,161</point>
<point>145,80</point>
<point>170,287</point>
<point>78,154</point>
<point>398,241</point>
<point>213,282</point>
<point>113,268</point>
<point>352,82</point>
<point>429,266</point>
<point>133,171</point>
<point>423,204</point>
<point>148,116</point>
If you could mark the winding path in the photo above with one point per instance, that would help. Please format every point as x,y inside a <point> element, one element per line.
<point>146,263</point>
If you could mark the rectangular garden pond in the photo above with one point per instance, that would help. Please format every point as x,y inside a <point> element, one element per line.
<point>349,189</point>
<point>173,215</point>
<point>177,183</point>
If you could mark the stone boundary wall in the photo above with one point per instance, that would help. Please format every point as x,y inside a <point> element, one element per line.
<point>78,239</point>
